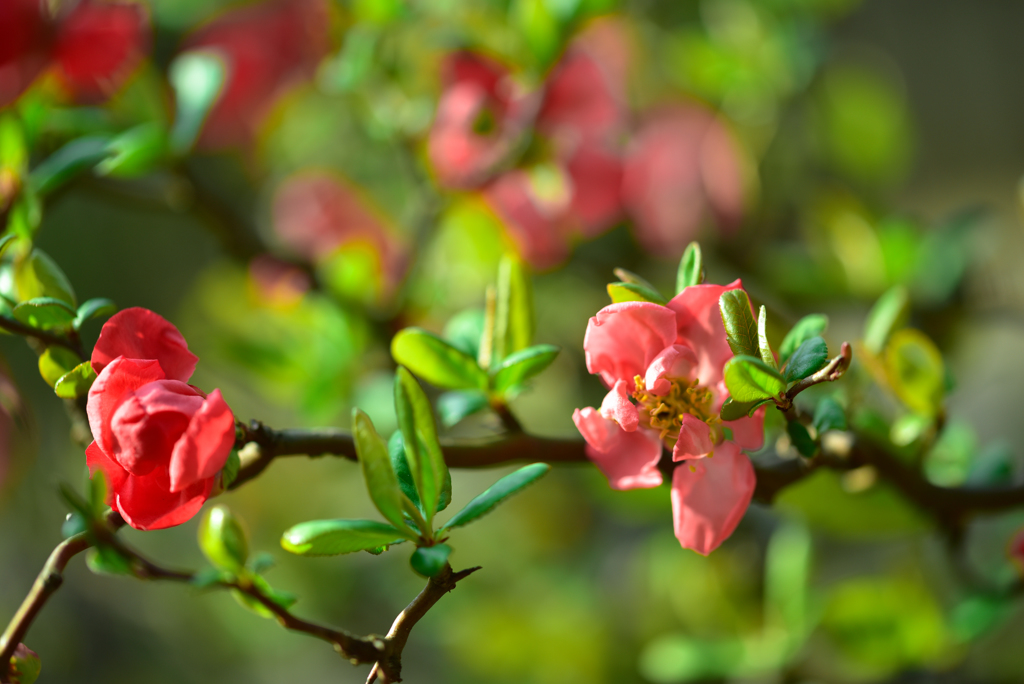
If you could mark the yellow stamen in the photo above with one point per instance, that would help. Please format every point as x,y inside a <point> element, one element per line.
<point>665,413</point>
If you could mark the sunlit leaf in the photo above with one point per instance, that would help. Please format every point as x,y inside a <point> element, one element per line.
<point>634,292</point>
<point>888,314</point>
<point>437,361</point>
<point>333,537</point>
<point>498,492</point>
<point>810,357</point>
<point>762,339</point>
<point>691,268</point>
<point>523,365</point>
<point>514,316</point>
<point>381,481</point>
<point>916,371</point>
<point>45,313</point>
<point>750,379</point>
<point>223,540</point>
<point>806,328</point>
<point>740,327</point>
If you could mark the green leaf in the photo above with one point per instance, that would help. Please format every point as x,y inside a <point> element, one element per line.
<point>57,362</point>
<point>750,379</point>
<point>197,77</point>
<point>514,317</point>
<point>916,371</point>
<point>426,462</point>
<point>333,537</point>
<point>94,308</point>
<point>734,410</point>
<point>135,152</point>
<point>97,488</point>
<point>13,148</point>
<point>74,524</point>
<point>281,598</point>
<point>465,330</point>
<point>762,339</point>
<point>811,356</point>
<point>106,560</point>
<point>630,277</point>
<point>740,328</point>
<point>45,313</point>
<point>229,473</point>
<point>889,313</point>
<point>209,577</point>
<point>430,560</point>
<point>6,241</point>
<point>801,438</point>
<point>67,162</point>
<point>223,540</point>
<point>691,268</point>
<point>511,484</point>
<point>260,563</point>
<point>38,275</point>
<point>829,415</point>
<point>523,365</point>
<point>380,477</point>
<point>25,666</point>
<point>633,292</point>
<point>437,361</point>
<point>400,464</point>
<point>452,407</point>
<point>806,328</point>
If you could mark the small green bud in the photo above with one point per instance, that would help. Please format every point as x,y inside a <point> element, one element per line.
<point>430,560</point>
<point>223,540</point>
<point>25,666</point>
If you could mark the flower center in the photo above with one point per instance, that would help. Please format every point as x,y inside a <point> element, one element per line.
<point>665,413</point>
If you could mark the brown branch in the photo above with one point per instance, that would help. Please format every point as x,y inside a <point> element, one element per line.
<point>389,667</point>
<point>15,326</point>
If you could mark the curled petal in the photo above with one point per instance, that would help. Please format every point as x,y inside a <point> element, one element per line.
<point>617,406</point>
<point>115,474</point>
<point>138,333</point>
<point>628,459</point>
<point>694,441</point>
<point>675,361</point>
<point>710,496</point>
<point>748,432</point>
<point>623,339</point>
<point>700,328</point>
<point>147,503</point>
<point>119,377</point>
<point>149,421</point>
<point>204,447</point>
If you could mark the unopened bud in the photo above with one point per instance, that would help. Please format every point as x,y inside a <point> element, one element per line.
<point>223,540</point>
<point>24,667</point>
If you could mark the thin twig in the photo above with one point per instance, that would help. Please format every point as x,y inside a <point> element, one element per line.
<point>48,338</point>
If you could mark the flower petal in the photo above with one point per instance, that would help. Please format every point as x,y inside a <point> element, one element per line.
<point>700,328</point>
<point>138,333</point>
<point>146,503</point>
<point>748,432</point>
<point>119,378</point>
<point>710,500</point>
<point>538,230</point>
<point>617,406</point>
<point>206,444</point>
<point>150,421</point>
<point>115,474</point>
<point>675,361</point>
<point>623,339</point>
<point>628,459</point>
<point>694,439</point>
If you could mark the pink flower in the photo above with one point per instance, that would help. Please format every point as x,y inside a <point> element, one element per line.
<point>682,167</point>
<point>268,48</point>
<point>663,365</point>
<point>160,441</point>
<point>92,48</point>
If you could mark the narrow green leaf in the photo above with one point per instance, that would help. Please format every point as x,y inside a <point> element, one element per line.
<point>630,277</point>
<point>740,327</point>
<point>454,406</point>
<point>511,484</point>
<point>38,275</point>
<point>632,292</point>
<point>465,330</point>
<point>45,313</point>
<point>400,464</point>
<point>6,241</point>
<point>437,361</point>
<point>381,481</point>
<point>135,152</point>
<point>57,362</point>
<point>811,356</point>
<point>333,537</point>
<point>223,540</point>
<point>691,268</point>
<point>13,148</point>
<point>94,308</point>
<point>734,410</point>
<point>197,77</point>
<point>750,379</point>
<point>801,438</point>
<point>229,473</point>
<point>67,162</point>
<point>806,328</point>
<point>829,415</point>
<point>514,317</point>
<point>416,420</point>
<point>523,365</point>
<point>762,339</point>
<point>889,313</point>
<point>430,560</point>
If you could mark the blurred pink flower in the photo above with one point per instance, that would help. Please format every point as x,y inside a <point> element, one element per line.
<point>92,47</point>
<point>268,48</point>
<point>664,368</point>
<point>316,213</point>
<point>277,282</point>
<point>683,166</point>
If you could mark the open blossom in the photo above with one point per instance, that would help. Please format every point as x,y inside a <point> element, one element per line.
<point>664,367</point>
<point>160,441</point>
<point>91,46</point>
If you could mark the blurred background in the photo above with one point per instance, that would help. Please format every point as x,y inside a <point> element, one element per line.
<point>364,166</point>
